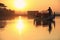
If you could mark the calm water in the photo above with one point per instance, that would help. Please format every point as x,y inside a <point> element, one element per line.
<point>22,28</point>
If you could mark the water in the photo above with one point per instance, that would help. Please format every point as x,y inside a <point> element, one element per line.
<point>22,28</point>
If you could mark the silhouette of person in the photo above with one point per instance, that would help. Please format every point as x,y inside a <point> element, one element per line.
<point>50,10</point>
<point>50,19</point>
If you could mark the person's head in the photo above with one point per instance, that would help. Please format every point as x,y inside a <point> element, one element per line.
<point>49,7</point>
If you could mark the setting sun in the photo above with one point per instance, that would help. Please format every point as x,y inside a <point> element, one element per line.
<point>19,4</point>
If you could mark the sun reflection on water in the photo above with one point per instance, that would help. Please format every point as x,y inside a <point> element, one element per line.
<point>20,24</point>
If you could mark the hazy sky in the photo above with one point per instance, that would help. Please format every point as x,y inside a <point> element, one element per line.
<point>35,4</point>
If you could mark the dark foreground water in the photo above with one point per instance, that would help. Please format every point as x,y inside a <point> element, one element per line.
<point>22,28</point>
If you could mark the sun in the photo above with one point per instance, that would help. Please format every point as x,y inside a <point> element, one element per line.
<point>19,4</point>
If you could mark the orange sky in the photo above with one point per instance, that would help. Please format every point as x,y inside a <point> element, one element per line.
<point>32,33</point>
<point>34,4</point>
